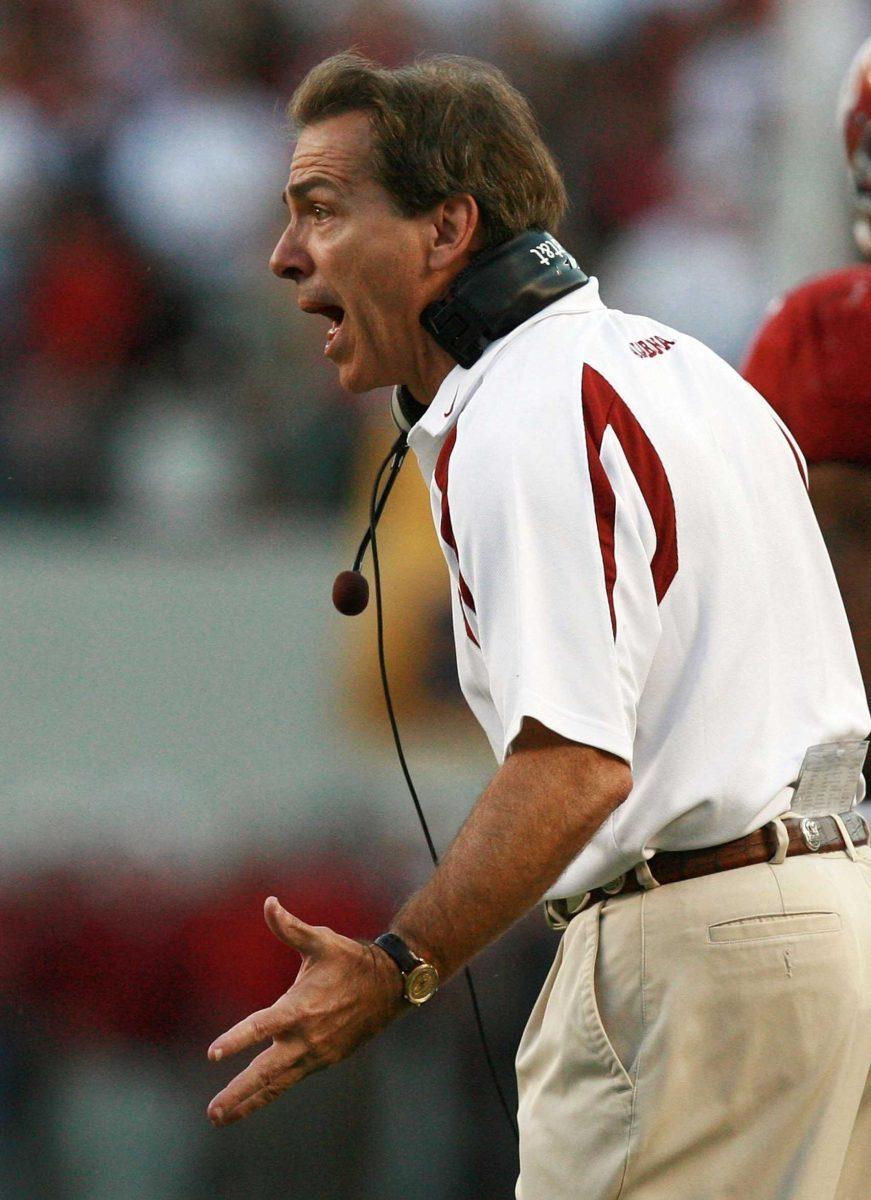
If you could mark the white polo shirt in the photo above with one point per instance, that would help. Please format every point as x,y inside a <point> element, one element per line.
<point>635,563</point>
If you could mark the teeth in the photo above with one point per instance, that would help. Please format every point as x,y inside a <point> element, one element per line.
<point>335,326</point>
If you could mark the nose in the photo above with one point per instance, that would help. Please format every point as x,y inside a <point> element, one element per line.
<point>289,259</point>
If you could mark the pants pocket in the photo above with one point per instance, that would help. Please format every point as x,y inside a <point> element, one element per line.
<point>774,925</point>
<point>597,1033</point>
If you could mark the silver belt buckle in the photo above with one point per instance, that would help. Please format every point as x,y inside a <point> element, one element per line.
<point>811,832</point>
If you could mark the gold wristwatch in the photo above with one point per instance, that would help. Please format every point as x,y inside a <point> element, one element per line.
<point>420,979</point>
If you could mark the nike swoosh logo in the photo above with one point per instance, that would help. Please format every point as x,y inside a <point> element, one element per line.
<point>451,409</point>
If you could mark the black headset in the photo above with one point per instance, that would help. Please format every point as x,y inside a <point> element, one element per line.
<point>500,289</point>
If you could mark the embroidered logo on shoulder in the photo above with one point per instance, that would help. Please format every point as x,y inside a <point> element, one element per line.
<point>650,347</point>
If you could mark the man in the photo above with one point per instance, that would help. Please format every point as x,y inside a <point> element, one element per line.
<point>810,362</point>
<point>648,629</point>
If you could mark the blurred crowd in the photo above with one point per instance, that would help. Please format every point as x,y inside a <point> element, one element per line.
<point>115,977</point>
<point>151,367</point>
<point>149,363</point>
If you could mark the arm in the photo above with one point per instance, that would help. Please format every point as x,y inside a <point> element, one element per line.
<point>540,809</point>
<point>543,805</point>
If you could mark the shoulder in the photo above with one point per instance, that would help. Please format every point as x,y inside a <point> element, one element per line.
<point>525,401</point>
<point>849,287</point>
<point>809,361</point>
<point>821,319</point>
<point>537,373</point>
<point>798,316</point>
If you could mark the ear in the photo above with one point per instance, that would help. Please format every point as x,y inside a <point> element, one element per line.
<point>455,231</point>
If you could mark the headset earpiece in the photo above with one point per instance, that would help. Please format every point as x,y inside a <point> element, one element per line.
<point>405,410</point>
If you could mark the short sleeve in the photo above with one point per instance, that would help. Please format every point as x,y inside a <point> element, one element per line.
<point>555,577</point>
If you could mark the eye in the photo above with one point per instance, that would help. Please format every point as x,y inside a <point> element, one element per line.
<point>319,212</point>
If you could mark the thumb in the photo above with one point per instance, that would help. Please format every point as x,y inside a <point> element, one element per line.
<point>289,929</point>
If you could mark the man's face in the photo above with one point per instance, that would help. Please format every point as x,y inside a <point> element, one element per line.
<point>355,259</point>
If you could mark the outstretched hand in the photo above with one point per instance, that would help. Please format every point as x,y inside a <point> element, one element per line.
<point>345,992</point>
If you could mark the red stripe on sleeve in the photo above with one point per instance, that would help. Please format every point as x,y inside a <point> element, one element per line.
<point>446,526</point>
<point>604,407</point>
<point>606,509</point>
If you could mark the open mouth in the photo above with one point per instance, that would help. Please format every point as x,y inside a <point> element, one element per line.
<point>334,312</point>
<point>336,315</point>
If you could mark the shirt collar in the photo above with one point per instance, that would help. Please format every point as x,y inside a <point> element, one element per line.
<point>460,384</point>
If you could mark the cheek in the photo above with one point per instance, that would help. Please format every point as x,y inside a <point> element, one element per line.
<point>380,290</point>
<point>385,307</point>
<point>403,302</point>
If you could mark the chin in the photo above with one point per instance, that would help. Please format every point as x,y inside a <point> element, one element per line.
<point>360,379</point>
<point>351,384</point>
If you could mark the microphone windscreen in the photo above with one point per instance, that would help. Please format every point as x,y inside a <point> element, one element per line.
<point>350,593</point>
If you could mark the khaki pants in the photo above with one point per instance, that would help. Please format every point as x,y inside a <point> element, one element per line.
<point>707,1040</point>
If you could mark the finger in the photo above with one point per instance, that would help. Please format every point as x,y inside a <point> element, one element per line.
<point>255,1077</point>
<point>289,929</point>
<point>245,1109</point>
<point>271,1073</point>
<point>254,1029</point>
<point>259,1100</point>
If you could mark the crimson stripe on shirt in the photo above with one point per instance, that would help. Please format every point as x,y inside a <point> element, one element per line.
<point>447,529</point>
<point>603,406</point>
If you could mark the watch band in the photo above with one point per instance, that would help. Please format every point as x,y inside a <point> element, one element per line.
<point>420,979</point>
<point>392,944</point>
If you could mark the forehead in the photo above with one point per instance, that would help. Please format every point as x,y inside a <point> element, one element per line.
<point>337,148</point>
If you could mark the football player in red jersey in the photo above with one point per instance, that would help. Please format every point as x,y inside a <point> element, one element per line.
<point>810,361</point>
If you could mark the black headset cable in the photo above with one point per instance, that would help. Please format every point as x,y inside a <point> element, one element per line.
<point>396,456</point>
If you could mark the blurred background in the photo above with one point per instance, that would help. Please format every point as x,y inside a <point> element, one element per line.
<point>187,725</point>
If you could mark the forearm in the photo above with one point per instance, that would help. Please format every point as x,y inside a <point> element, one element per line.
<point>540,809</point>
<point>543,804</point>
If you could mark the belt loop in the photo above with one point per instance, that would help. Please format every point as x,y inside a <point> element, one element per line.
<point>848,841</point>
<point>644,875</point>
<point>782,835</point>
<point>559,912</point>
<point>556,920</point>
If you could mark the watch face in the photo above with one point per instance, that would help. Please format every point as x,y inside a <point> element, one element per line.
<point>421,983</point>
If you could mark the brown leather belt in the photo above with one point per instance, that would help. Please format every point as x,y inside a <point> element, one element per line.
<point>807,835</point>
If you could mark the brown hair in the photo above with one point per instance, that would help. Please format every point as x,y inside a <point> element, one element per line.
<point>442,125</point>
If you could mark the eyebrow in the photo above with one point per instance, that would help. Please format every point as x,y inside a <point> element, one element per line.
<point>298,190</point>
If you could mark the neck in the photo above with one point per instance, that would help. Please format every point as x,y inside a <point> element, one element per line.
<point>429,368</point>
